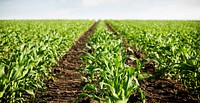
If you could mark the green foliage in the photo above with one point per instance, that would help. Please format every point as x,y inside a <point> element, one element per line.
<point>109,78</point>
<point>173,45</point>
<point>28,49</point>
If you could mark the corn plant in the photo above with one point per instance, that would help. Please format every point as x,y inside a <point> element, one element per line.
<point>28,49</point>
<point>174,45</point>
<point>109,78</point>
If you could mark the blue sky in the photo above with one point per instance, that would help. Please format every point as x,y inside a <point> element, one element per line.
<point>100,9</point>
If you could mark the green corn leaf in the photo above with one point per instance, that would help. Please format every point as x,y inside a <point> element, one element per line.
<point>84,95</point>
<point>31,92</point>
<point>121,101</point>
<point>90,87</point>
<point>1,71</point>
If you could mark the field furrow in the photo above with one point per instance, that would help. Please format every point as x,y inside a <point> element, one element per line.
<point>156,89</point>
<point>67,83</point>
<point>109,61</point>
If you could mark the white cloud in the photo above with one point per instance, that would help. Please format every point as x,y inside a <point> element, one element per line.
<point>100,9</point>
<point>53,14</point>
<point>59,14</point>
<point>62,1</point>
<point>176,10</point>
<point>98,2</point>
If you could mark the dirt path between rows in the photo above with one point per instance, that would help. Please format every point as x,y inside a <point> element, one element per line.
<point>157,90</point>
<point>67,83</point>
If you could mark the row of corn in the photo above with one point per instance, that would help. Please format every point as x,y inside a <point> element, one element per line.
<point>173,45</point>
<point>108,78</point>
<point>28,49</point>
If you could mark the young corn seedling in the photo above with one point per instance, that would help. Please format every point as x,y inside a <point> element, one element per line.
<point>28,49</point>
<point>109,79</point>
<point>174,45</point>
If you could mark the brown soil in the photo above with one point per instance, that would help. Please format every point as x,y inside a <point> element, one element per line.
<point>67,83</point>
<point>157,90</point>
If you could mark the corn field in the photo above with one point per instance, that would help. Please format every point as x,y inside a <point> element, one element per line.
<point>29,49</point>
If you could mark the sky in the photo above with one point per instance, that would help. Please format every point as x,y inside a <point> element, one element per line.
<point>100,9</point>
